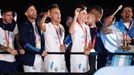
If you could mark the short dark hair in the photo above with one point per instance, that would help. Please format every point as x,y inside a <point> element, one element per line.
<point>53,6</point>
<point>27,6</point>
<point>81,6</point>
<point>129,6</point>
<point>6,9</point>
<point>98,8</point>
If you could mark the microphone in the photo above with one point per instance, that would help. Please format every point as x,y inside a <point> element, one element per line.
<point>117,10</point>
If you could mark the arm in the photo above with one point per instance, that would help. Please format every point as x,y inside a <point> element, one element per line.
<point>9,50</point>
<point>72,27</point>
<point>17,41</point>
<point>88,46</point>
<point>88,49</point>
<point>107,23</point>
<point>24,39</point>
<point>3,47</point>
<point>21,50</point>
<point>42,21</point>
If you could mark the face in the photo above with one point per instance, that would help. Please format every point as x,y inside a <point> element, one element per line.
<point>31,12</point>
<point>55,15</point>
<point>82,16</point>
<point>127,13</point>
<point>8,17</point>
<point>90,19</point>
<point>69,21</point>
<point>97,14</point>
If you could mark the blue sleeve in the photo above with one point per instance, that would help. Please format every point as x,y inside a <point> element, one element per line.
<point>31,48</point>
<point>24,37</point>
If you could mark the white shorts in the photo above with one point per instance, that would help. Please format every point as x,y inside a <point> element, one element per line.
<point>79,63</point>
<point>37,67</point>
<point>55,63</point>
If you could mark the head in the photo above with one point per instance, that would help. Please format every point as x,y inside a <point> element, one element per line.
<point>7,16</point>
<point>55,13</point>
<point>82,14</point>
<point>91,19</point>
<point>69,20</point>
<point>31,12</point>
<point>98,11</point>
<point>127,13</point>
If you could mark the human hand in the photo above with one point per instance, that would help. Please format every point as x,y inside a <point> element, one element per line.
<point>47,14</point>
<point>108,21</point>
<point>44,53</point>
<point>62,48</point>
<point>12,51</point>
<point>77,11</point>
<point>21,51</point>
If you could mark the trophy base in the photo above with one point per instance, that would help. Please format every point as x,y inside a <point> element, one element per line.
<point>125,48</point>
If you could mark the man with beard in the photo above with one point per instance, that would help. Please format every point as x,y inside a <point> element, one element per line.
<point>121,32</point>
<point>32,41</point>
<point>8,32</point>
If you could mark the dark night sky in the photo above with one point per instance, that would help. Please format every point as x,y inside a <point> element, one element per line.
<point>67,6</point>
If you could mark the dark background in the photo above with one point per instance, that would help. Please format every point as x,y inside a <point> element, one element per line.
<point>67,9</point>
<point>67,6</point>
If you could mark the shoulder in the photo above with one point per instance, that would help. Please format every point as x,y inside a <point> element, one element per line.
<point>118,23</point>
<point>26,23</point>
<point>24,26</point>
<point>133,21</point>
<point>61,26</point>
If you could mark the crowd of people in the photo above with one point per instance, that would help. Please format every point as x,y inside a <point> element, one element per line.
<point>27,45</point>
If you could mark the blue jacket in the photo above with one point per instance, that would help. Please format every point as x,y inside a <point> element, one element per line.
<point>27,40</point>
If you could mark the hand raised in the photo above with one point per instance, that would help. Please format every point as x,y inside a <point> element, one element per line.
<point>108,21</point>
<point>77,11</point>
<point>47,14</point>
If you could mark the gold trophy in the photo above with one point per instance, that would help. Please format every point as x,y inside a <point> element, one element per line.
<point>125,46</point>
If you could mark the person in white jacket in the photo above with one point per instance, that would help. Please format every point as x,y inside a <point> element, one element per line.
<point>54,36</point>
<point>80,34</point>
